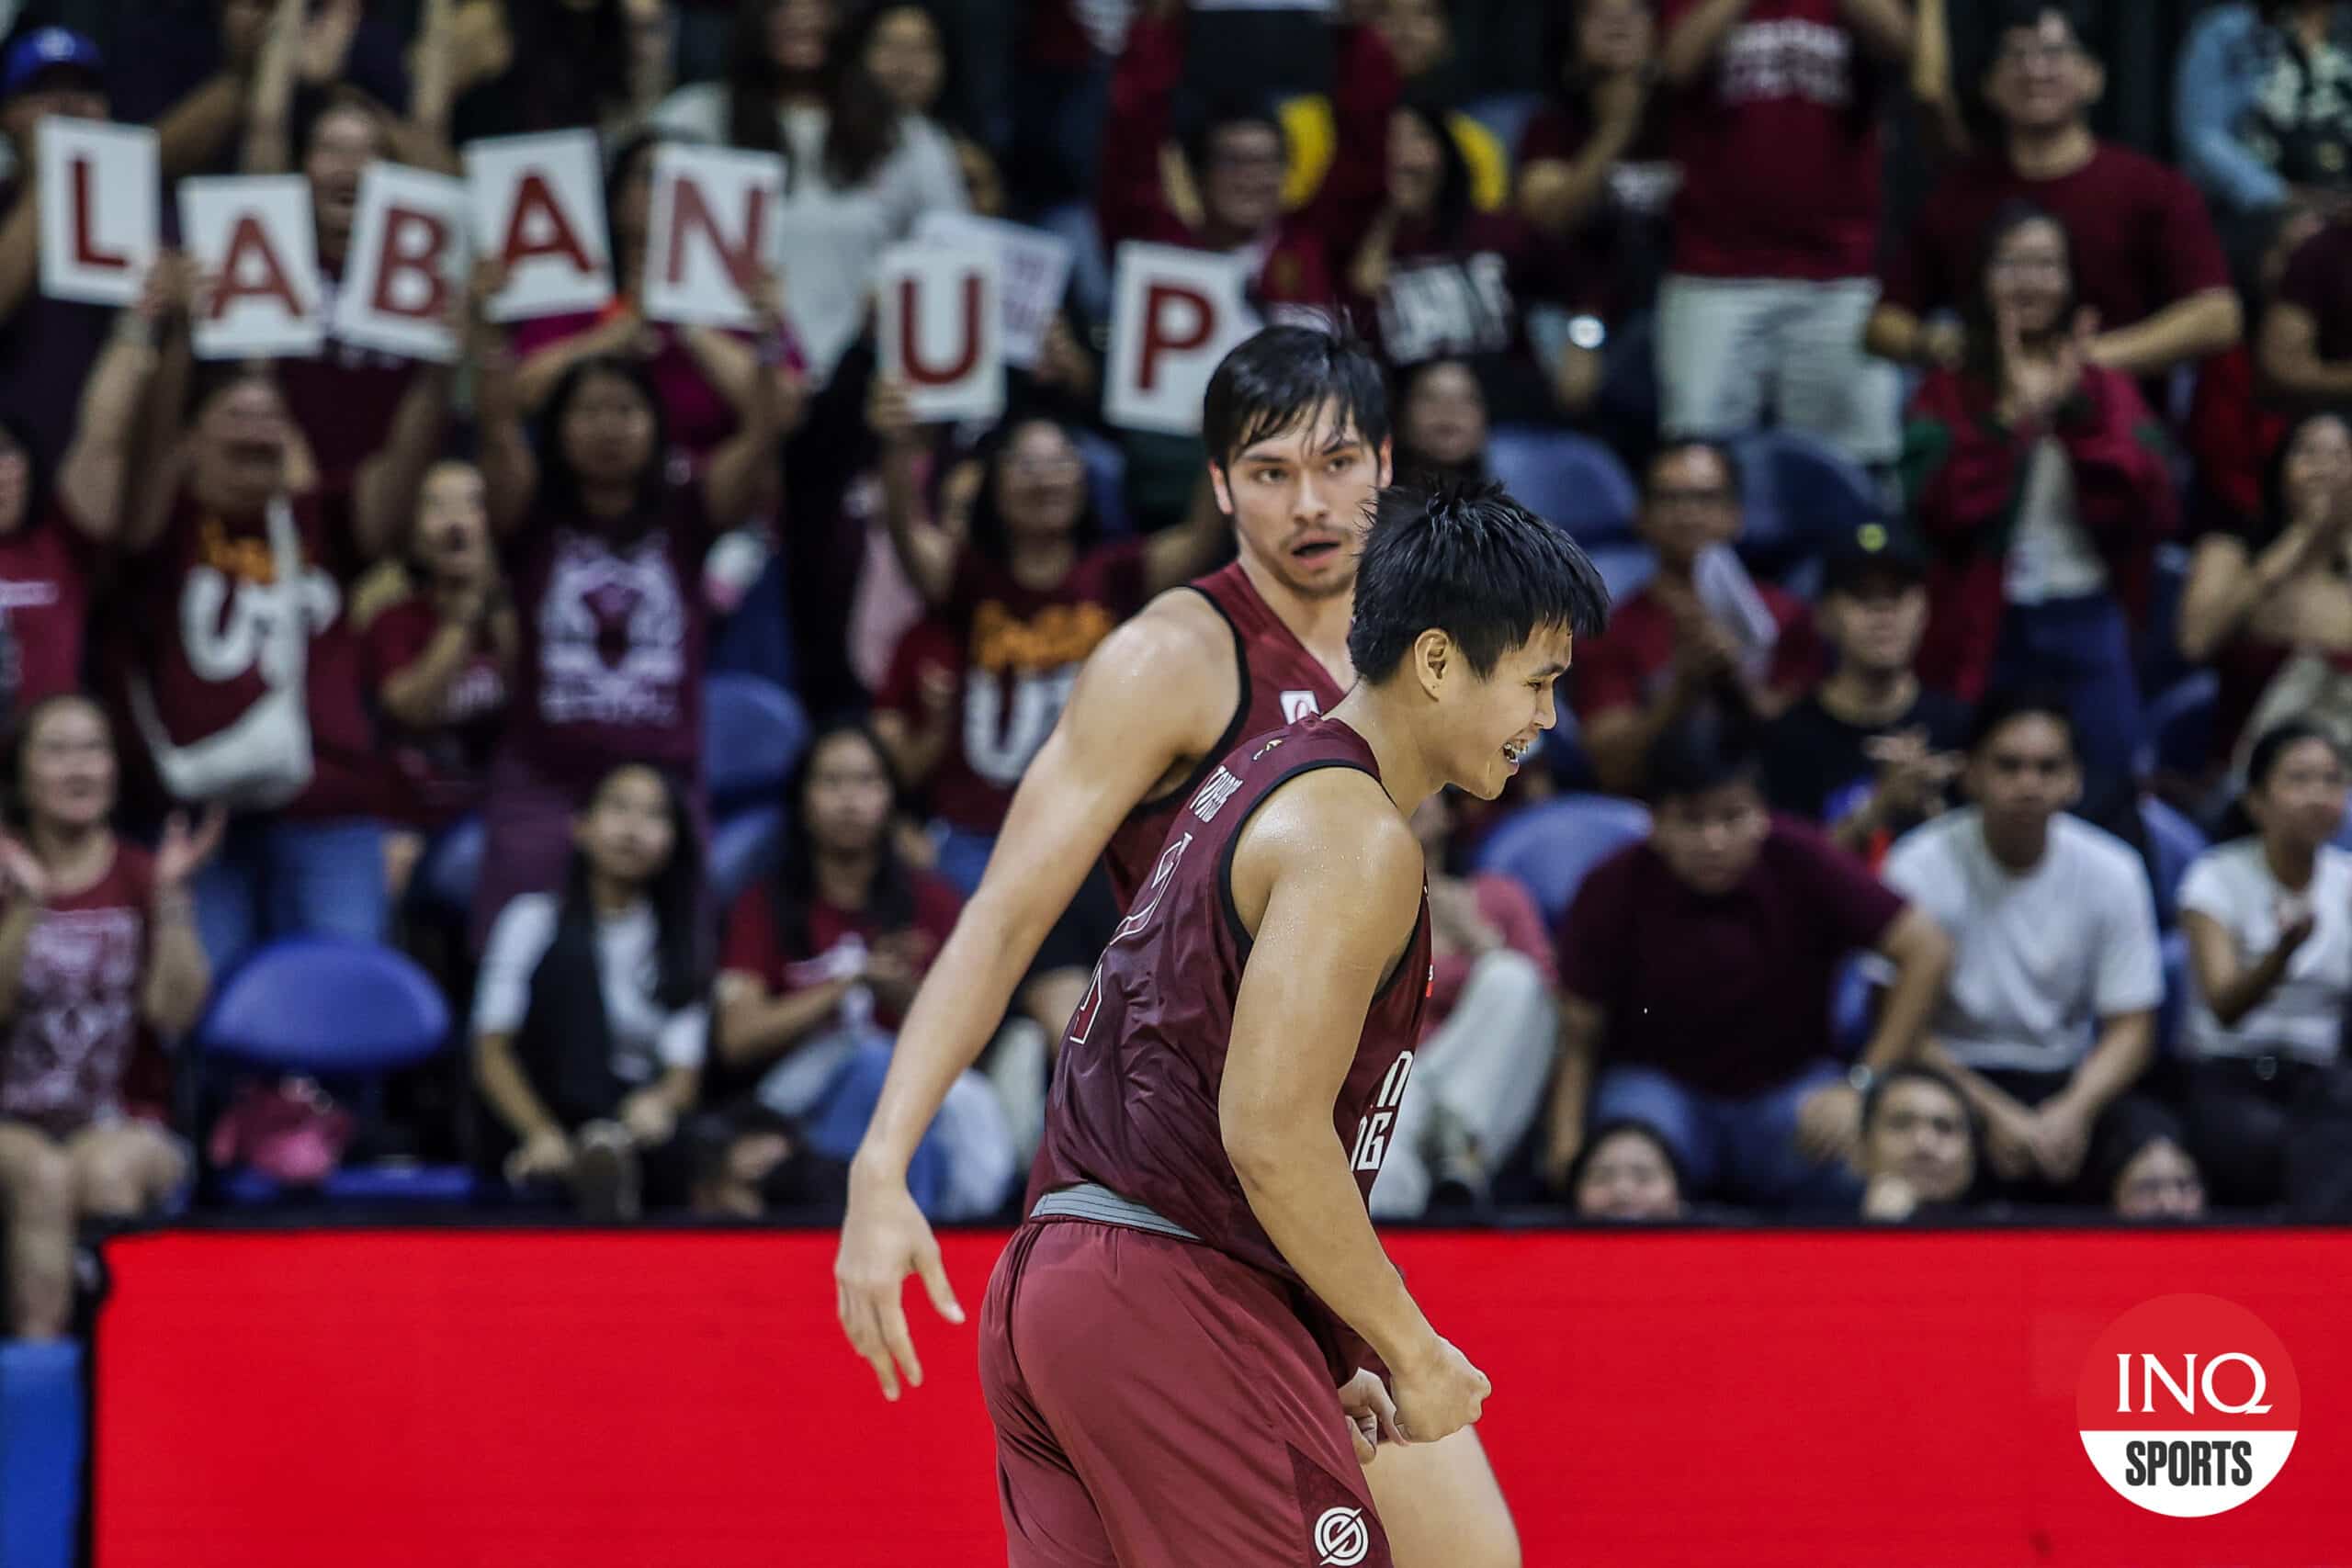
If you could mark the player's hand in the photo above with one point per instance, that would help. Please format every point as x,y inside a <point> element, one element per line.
<point>884,1239</point>
<point>1372,1415</point>
<point>1438,1395</point>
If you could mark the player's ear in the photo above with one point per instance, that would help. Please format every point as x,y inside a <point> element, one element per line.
<point>1433,656</point>
<point>1387,463</point>
<point>1219,483</point>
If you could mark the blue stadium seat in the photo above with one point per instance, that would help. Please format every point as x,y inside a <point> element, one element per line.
<point>1572,479</point>
<point>2173,841</point>
<point>1550,846</point>
<point>2179,723</point>
<point>1800,494</point>
<point>443,882</point>
<point>1849,1003</point>
<point>1504,116</point>
<point>43,1430</point>
<point>1624,566</point>
<point>1106,481</point>
<point>752,732</point>
<point>345,1012</point>
<point>743,849</point>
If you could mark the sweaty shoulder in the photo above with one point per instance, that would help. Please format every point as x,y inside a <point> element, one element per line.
<point>1170,669</point>
<point>1338,825</point>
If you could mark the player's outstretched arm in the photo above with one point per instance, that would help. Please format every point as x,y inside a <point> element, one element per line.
<point>1133,713</point>
<point>1338,877</point>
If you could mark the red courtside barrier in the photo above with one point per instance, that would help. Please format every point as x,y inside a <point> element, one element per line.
<point>515,1399</point>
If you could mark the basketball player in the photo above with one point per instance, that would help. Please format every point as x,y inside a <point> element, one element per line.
<point>1163,1337</point>
<point>1296,426</point>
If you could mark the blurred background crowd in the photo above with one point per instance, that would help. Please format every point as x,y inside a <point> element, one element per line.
<point>1950,823</point>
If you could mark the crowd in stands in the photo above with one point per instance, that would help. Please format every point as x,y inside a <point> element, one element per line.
<point>1950,822</point>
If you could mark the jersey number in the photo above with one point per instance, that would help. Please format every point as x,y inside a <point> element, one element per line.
<point>1082,1023</point>
<point>1371,1133</point>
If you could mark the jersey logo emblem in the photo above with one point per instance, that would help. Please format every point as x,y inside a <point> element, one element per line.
<point>1341,1539</point>
<point>1299,704</point>
<point>1269,746</point>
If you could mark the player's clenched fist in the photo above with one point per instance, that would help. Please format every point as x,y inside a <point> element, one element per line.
<point>1437,1395</point>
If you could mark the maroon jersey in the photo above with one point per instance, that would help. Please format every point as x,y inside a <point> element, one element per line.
<point>1281,683</point>
<point>1133,1106</point>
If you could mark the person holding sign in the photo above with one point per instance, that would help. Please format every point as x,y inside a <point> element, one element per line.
<point>1297,425</point>
<point>604,555</point>
<point>859,173</point>
<point>1025,596</point>
<point>702,374</point>
<point>239,666</point>
<point>904,48</point>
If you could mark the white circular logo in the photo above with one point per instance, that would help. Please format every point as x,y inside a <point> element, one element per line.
<point>1340,1537</point>
<point>2188,1405</point>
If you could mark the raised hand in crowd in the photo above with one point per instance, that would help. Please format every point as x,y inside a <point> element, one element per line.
<point>2035,382</point>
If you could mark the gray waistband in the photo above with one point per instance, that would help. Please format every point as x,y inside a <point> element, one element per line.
<point>1087,1200</point>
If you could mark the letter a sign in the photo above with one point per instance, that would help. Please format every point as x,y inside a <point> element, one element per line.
<point>539,211</point>
<point>941,331</point>
<point>253,235</point>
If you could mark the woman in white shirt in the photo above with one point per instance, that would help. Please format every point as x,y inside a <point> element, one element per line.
<point>858,174</point>
<point>2269,917</point>
<point>592,1016</point>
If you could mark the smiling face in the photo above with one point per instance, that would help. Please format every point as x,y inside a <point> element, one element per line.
<point>1300,500</point>
<point>2318,464</point>
<point>2041,79</point>
<point>343,141</point>
<point>1040,484</point>
<point>68,765</point>
<point>2029,280</point>
<point>905,56</point>
<point>1692,502</point>
<point>453,523</point>
<point>1628,1177</point>
<point>2299,804</point>
<point>1487,724</point>
<point>1242,186</point>
<point>241,435</point>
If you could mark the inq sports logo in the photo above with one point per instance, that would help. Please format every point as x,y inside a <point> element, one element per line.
<point>1341,1539</point>
<point>2188,1405</point>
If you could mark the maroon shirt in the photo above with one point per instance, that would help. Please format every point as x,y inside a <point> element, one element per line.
<point>608,667</point>
<point>446,767</point>
<point>1634,660</point>
<point>1281,683</point>
<point>2319,278</point>
<point>343,397</point>
<point>1778,139</point>
<point>1729,995</point>
<point>199,602</point>
<point>755,945</point>
<point>44,606</point>
<point>1133,1106</point>
<point>69,1042</point>
<point>2141,236</point>
<point>1019,650</point>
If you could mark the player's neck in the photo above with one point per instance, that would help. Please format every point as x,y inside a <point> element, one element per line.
<point>1320,624</point>
<point>2048,155</point>
<point>1406,771</point>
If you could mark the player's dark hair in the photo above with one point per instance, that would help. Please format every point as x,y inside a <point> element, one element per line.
<point>890,900</point>
<point>1694,758</point>
<point>1619,1126</point>
<point>1281,379</point>
<point>1675,448</point>
<point>2003,708</point>
<point>1473,563</point>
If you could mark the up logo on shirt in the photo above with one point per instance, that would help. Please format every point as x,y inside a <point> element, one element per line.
<point>233,617</point>
<point>612,635</point>
<point>1791,59</point>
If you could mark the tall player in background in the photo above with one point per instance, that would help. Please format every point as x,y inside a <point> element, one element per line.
<point>1164,1391</point>
<point>1296,426</point>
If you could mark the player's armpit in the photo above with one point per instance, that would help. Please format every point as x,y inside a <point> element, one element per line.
<point>1329,879</point>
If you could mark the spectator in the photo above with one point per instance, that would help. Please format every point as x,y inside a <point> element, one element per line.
<point>1023,600</point>
<point>96,943</point>
<point>592,1017</point>
<point>603,554</point>
<point>2234,429</point>
<point>2148,263</point>
<point>701,374</point>
<point>2262,108</point>
<point>240,669</point>
<point>1868,752</point>
<point>859,173</point>
<point>2269,917</point>
<point>1698,643</point>
<point>2266,603</point>
<point>47,346</point>
<point>1229,195</point>
<point>820,965</point>
<point>2305,355</point>
<point>1420,38</point>
<point>2157,1179</point>
<point>1696,971</point>
<point>1488,1033</point>
<point>1441,426</point>
<point>904,45</point>
<point>1775,125</point>
<point>2054,933</point>
<point>1919,1145</point>
<point>511,67</point>
<point>2039,481</point>
<point>1593,164</point>
<point>1434,278</point>
<point>440,662</point>
<point>1626,1173</point>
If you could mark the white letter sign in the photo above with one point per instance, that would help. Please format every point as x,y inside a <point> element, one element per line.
<point>408,262</point>
<point>1174,314</point>
<point>941,334</point>
<point>714,225</point>
<point>97,210</point>
<point>539,210</point>
<point>252,235</point>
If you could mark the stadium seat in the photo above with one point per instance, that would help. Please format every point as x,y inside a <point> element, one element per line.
<point>347,1013</point>
<point>1549,847</point>
<point>1850,1002</point>
<point>443,882</point>
<point>743,849</point>
<point>1106,481</point>
<point>1799,495</point>
<point>2179,723</point>
<point>752,732</point>
<point>1504,116</point>
<point>1624,566</point>
<point>44,1425</point>
<point>2173,841</point>
<point>1572,479</point>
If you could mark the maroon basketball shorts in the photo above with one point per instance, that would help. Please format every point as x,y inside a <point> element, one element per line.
<point>1159,1405</point>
